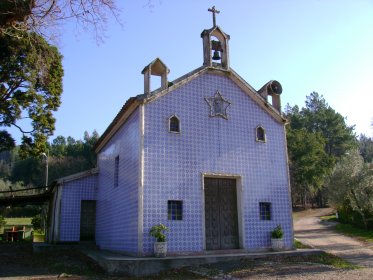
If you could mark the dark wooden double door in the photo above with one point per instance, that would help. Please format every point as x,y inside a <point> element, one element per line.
<point>221,220</point>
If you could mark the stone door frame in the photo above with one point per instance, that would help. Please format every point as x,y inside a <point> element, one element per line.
<point>240,205</point>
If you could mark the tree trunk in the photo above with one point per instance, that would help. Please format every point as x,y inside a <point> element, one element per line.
<point>320,203</point>
<point>365,222</point>
<point>304,200</point>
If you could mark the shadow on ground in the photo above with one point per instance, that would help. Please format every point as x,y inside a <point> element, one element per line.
<point>18,259</point>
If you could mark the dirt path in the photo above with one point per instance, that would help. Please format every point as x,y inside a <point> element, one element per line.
<point>310,230</point>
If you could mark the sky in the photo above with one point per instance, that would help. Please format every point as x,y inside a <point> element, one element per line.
<point>315,45</point>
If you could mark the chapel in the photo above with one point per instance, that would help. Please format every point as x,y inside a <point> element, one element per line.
<point>204,154</point>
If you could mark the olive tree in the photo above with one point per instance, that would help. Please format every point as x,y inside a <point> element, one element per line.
<point>352,182</point>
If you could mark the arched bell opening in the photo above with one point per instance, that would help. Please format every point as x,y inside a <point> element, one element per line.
<point>216,50</point>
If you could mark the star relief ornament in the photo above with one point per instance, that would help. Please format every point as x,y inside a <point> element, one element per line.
<point>218,105</point>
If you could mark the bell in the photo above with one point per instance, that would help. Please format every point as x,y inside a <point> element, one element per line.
<point>216,55</point>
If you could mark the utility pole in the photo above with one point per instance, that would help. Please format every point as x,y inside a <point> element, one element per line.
<point>46,167</point>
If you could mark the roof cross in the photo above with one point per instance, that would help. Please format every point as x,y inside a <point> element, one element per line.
<point>213,11</point>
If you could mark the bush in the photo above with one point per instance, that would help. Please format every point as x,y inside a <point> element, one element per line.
<point>348,216</point>
<point>2,224</point>
<point>2,221</point>
<point>36,222</point>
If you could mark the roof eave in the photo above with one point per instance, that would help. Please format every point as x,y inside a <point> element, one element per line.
<point>264,104</point>
<point>128,108</point>
<point>77,176</point>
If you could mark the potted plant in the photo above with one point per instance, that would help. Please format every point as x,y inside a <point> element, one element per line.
<point>160,246</point>
<point>277,240</point>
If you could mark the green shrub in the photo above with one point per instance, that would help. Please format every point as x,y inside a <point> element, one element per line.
<point>36,222</point>
<point>277,233</point>
<point>2,221</point>
<point>348,216</point>
<point>158,232</point>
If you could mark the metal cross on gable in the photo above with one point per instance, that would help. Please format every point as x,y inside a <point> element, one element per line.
<point>213,11</point>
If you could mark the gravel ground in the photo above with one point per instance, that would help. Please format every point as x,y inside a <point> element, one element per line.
<point>289,270</point>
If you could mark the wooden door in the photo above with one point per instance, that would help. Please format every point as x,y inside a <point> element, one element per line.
<point>87,220</point>
<point>221,218</point>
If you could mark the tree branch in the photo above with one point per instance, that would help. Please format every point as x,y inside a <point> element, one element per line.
<point>21,130</point>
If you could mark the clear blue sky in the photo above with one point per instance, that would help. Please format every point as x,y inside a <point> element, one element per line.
<point>314,45</point>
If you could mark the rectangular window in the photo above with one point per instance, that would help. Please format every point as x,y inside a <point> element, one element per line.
<point>175,210</point>
<point>116,172</point>
<point>265,211</point>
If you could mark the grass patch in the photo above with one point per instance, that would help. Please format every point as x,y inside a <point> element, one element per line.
<point>337,262</point>
<point>329,218</point>
<point>300,245</point>
<point>18,221</point>
<point>323,258</point>
<point>353,231</point>
<point>38,237</point>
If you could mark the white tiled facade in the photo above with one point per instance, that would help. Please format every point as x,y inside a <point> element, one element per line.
<point>175,163</point>
<point>117,207</point>
<point>72,194</point>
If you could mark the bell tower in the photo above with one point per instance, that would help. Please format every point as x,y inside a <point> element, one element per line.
<point>215,45</point>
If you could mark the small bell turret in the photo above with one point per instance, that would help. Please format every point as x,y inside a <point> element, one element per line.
<point>215,45</point>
